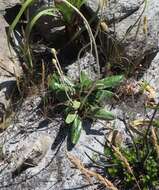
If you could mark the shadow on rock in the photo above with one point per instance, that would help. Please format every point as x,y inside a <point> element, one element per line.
<point>87,126</point>
<point>60,138</point>
<point>65,133</point>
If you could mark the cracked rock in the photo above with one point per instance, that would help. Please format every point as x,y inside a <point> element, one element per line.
<point>30,153</point>
<point>135,27</point>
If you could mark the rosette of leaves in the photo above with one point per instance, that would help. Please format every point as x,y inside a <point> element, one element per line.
<point>81,101</point>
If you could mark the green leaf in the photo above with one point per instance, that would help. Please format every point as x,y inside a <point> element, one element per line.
<point>109,82</point>
<point>107,151</point>
<point>78,3</point>
<point>67,11</point>
<point>76,130</point>
<point>103,95</point>
<point>76,104</point>
<point>61,96</point>
<point>156,123</point>
<point>70,118</point>
<point>44,11</point>
<point>25,5</point>
<point>84,80</point>
<point>101,113</point>
<point>55,84</point>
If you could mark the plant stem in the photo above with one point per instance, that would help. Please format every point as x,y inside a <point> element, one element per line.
<point>131,135</point>
<point>146,138</point>
<point>92,39</point>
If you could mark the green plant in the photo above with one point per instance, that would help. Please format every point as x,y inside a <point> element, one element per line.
<point>145,167</point>
<point>79,102</point>
<point>67,11</point>
<point>61,5</point>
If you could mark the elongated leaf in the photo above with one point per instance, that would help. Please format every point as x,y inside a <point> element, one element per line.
<point>76,130</point>
<point>101,113</point>
<point>49,11</point>
<point>103,95</point>
<point>70,118</point>
<point>23,8</point>
<point>109,82</point>
<point>78,3</point>
<point>84,80</point>
<point>67,11</point>
<point>55,84</point>
<point>143,122</point>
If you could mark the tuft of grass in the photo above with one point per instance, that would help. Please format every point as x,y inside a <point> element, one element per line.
<point>67,9</point>
<point>129,168</point>
<point>135,166</point>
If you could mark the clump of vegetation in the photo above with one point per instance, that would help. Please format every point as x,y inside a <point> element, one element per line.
<point>83,99</point>
<point>69,10</point>
<point>145,168</point>
<point>134,165</point>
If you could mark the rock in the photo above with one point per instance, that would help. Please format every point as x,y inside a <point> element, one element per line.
<point>52,168</point>
<point>114,10</point>
<point>151,76</point>
<point>7,4</point>
<point>9,63</point>
<point>30,153</point>
<point>86,64</point>
<point>142,40</point>
<point>9,67</point>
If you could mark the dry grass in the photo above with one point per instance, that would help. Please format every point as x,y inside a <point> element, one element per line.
<point>155,140</point>
<point>125,162</point>
<point>89,174</point>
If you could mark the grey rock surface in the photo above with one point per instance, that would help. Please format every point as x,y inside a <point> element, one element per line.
<point>86,64</point>
<point>152,75</point>
<point>53,169</point>
<point>7,4</point>
<point>114,10</point>
<point>9,66</point>
<point>142,39</point>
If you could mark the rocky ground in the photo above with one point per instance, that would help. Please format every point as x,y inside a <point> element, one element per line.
<point>42,142</point>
